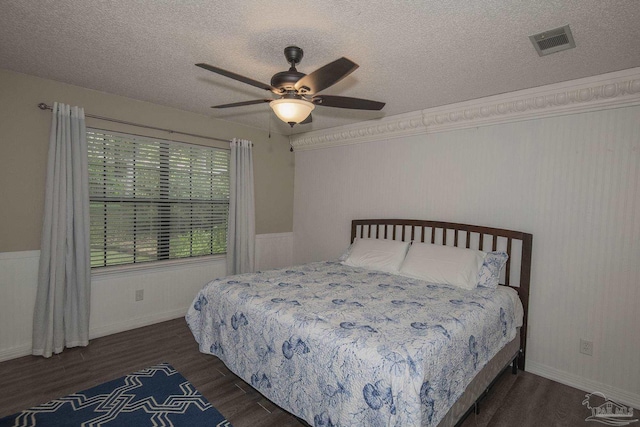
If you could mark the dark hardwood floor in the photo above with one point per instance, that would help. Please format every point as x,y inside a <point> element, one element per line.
<point>515,400</point>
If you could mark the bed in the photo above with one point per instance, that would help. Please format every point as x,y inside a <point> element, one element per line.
<point>340,345</point>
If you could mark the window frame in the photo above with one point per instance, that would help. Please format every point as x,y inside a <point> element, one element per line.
<point>163,259</point>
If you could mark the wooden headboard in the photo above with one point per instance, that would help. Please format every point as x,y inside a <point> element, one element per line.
<point>516,274</point>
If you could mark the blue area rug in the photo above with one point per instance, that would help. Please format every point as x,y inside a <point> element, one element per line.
<point>156,396</point>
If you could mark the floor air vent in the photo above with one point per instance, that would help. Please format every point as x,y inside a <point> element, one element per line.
<point>553,41</point>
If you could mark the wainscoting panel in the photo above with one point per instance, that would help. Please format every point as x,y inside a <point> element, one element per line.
<point>167,291</point>
<point>273,250</point>
<point>572,181</point>
<point>18,285</point>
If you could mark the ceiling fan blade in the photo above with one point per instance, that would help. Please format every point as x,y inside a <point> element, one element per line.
<point>238,77</point>
<point>240,104</point>
<point>347,102</point>
<point>308,120</point>
<point>326,76</point>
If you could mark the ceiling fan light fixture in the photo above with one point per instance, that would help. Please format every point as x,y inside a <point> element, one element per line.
<point>298,91</point>
<point>292,110</point>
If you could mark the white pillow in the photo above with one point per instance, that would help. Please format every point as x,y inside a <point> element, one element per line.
<point>346,253</point>
<point>377,254</point>
<point>443,264</point>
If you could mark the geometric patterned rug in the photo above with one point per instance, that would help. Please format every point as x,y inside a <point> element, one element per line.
<point>157,396</point>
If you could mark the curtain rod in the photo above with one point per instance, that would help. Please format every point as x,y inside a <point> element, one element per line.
<point>44,106</point>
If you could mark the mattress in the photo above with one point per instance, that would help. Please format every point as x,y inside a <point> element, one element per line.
<point>339,345</point>
<point>481,382</point>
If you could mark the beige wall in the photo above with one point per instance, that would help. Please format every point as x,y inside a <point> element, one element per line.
<point>24,138</point>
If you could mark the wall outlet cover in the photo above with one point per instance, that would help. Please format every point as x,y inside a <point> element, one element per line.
<point>586,347</point>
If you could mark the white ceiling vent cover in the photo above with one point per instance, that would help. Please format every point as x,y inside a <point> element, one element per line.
<point>553,41</point>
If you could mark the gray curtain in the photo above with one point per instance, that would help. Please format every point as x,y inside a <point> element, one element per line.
<point>241,228</point>
<point>61,315</point>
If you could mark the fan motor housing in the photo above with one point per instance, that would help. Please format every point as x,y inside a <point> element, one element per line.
<point>286,79</point>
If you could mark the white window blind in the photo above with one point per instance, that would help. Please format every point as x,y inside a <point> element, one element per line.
<point>155,199</point>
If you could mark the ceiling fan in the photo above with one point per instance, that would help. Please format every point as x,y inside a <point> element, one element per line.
<point>298,92</point>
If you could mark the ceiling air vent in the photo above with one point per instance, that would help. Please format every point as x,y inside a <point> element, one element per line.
<point>553,41</point>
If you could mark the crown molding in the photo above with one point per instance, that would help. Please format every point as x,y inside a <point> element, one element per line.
<point>611,90</point>
<point>407,124</point>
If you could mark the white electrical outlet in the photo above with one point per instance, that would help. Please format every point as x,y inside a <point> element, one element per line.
<point>139,294</point>
<point>586,347</point>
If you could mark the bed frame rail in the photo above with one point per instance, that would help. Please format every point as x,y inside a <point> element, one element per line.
<point>517,244</point>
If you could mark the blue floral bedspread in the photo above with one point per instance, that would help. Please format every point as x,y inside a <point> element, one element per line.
<point>344,346</point>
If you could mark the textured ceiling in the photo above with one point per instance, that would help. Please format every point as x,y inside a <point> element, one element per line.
<point>412,54</point>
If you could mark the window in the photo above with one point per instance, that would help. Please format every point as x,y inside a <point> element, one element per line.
<point>154,199</point>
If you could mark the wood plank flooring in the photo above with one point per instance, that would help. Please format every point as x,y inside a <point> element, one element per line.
<point>515,400</point>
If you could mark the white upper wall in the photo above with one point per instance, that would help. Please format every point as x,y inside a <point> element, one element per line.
<point>573,181</point>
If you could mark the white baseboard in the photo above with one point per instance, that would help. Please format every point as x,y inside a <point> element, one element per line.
<point>25,350</point>
<point>139,322</point>
<point>585,384</point>
<point>15,352</point>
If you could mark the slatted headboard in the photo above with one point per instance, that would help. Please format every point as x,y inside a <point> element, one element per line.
<point>516,274</point>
